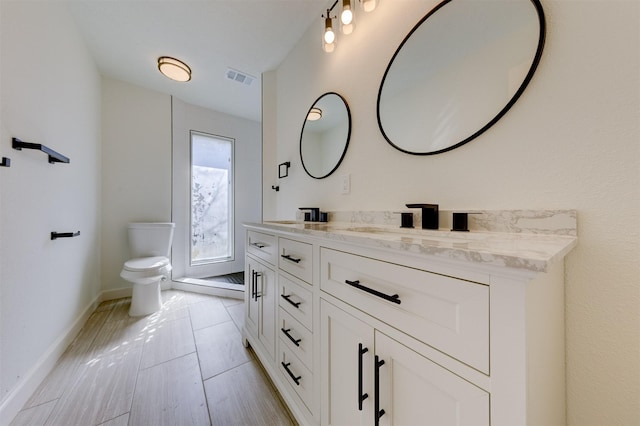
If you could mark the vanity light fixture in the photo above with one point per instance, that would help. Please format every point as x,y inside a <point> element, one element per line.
<point>329,36</point>
<point>314,114</point>
<point>347,21</point>
<point>174,68</point>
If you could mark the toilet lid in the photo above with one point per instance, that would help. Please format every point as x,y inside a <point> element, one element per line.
<point>144,263</point>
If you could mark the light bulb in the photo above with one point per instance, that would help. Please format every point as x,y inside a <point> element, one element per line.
<point>347,16</point>
<point>329,36</point>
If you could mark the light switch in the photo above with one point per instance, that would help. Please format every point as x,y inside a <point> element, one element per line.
<point>346,184</point>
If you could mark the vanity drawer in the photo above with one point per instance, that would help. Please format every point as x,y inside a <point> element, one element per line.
<point>296,300</point>
<point>449,314</point>
<point>296,258</point>
<point>297,375</point>
<point>263,246</point>
<point>296,337</point>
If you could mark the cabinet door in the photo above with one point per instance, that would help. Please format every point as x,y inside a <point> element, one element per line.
<point>251,302</point>
<point>414,390</point>
<point>347,367</point>
<point>261,304</point>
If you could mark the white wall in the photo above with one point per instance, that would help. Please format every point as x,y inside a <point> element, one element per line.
<point>50,94</point>
<point>136,164</point>
<point>571,141</point>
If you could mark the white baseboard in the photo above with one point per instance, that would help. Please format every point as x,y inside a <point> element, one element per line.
<point>195,285</point>
<point>20,394</point>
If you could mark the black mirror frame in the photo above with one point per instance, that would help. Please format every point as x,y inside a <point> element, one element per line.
<point>346,143</point>
<point>501,113</point>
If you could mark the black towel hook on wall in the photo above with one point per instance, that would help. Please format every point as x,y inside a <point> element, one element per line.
<point>6,162</point>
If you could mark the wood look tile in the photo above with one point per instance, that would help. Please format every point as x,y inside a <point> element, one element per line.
<point>170,394</point>
<point>63,374</point>
<point>237,315</point>
<point>244,396</point>
<point>220,349</point>
<point>207,313</point>
<point>103,390</point>
<point>122,371</point>
<point>34,416</point>
<point>166,341</point>
<point>122,420</point>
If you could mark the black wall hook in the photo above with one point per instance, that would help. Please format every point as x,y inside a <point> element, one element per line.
<point>6,162</point>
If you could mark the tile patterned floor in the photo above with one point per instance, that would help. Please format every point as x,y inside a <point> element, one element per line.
<point>184,365</point>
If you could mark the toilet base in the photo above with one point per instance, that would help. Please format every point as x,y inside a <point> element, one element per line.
<point>145,299</point>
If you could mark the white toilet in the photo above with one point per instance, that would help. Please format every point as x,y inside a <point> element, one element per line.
<point>150,244</point>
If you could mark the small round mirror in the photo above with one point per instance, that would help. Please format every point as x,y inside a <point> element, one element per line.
<point>458,72</point>
<point>325,135</point>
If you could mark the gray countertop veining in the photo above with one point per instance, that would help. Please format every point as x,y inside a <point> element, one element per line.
<point>524,251</point>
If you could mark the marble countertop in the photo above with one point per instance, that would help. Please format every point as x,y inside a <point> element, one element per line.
<point>523,251</point>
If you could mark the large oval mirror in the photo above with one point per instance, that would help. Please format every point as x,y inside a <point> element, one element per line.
<point>458,72</point>
<point>325,135</point>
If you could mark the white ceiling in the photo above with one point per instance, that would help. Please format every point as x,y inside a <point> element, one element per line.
<point>126,37</point>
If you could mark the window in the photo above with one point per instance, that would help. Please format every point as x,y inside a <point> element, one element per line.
<point>211,198</point>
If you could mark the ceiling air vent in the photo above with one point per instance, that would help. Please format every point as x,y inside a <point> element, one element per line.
<point>240,76</point>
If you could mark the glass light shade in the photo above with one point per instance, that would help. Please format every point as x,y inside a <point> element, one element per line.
<point>368,5</point>
<point>174,69</point>
<point>347,14</point>
<point>329,36</point>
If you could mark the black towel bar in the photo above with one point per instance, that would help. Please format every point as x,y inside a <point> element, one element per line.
<point>54,157</point>
<point>56,235</point>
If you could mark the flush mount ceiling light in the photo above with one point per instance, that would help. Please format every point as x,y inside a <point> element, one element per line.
<point>174,69</point>
<point>314,114</point>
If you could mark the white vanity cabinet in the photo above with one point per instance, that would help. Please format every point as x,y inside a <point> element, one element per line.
<point>367,372</point>
<point>384,329</point>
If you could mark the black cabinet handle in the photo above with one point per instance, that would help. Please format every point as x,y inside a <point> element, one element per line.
<point>376,400</point>
<point>288,257</point>
<point>287,297</point>
<point>293,376</point>
<point>254,283</point>
<point>394,298</point>
<point>293,339</point>
<point>361,396</point>
<point>259,245</point>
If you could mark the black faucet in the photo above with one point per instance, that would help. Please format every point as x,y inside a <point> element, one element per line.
<point>314,215</point>
<point>430,216</point>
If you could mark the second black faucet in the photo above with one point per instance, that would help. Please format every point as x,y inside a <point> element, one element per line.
<point>430,215</point>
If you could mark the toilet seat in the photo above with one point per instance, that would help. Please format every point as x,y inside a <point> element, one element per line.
<point>144,270</point>
<point>144,263</point>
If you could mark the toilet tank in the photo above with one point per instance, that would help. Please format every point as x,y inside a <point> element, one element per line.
<point>150,239</point>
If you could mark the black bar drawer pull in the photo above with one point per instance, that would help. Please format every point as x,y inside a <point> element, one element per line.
<point>376,401</point>
<point>287,297</point>
<point>361,396</point>
<point>394,298</point>
<point>293,339</point>
<point>293,376</point>
<point>259,245</point>
<point>288,257</point>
